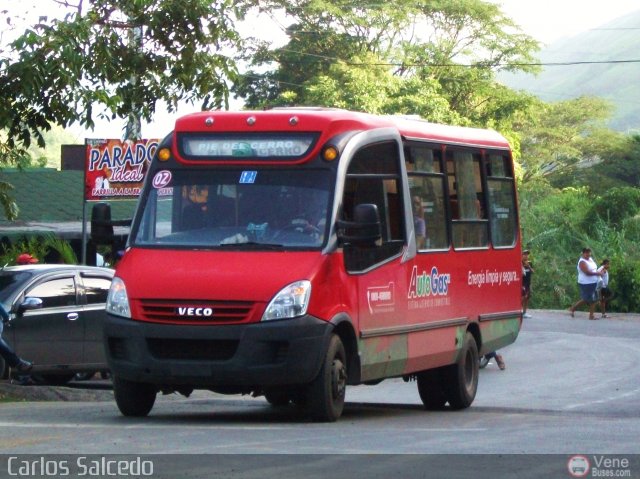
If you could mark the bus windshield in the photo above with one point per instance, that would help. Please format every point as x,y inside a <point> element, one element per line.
<point>236,208</point>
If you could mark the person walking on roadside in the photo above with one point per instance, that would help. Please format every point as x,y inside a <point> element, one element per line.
<point>605,293</point>
<point>6,352</point>
<point>588,276</point>
<point>527,272</point>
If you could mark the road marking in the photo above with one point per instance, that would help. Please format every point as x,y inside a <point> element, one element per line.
<point>615,397</point>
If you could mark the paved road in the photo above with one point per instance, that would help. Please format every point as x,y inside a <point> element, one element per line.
<point>571,386</point>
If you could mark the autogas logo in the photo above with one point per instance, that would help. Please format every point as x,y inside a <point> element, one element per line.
<point>194,312</point>
<point>424,285</point>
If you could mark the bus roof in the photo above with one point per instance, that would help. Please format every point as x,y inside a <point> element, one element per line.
<point>333,121</point>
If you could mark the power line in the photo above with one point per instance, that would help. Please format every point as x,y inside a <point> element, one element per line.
<point>464,65</point>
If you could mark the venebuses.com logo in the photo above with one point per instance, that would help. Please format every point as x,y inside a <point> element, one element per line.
<point>598,466</point>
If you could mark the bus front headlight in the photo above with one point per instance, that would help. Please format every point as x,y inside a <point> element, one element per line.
<point>292,301</point>
<point>117,300</point>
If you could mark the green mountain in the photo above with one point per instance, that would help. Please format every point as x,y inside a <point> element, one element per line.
<point>568,72</point>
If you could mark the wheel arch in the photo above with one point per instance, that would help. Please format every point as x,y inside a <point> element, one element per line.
<point>474,329</point>
<point>343,327</point>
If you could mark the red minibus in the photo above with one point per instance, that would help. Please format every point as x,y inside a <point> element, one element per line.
<point>292,252</point>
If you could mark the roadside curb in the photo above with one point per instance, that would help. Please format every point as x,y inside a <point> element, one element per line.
<point>15,392</point>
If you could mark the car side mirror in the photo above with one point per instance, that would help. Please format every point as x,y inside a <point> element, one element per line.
<point>29,303</point>
<point>364,230</point>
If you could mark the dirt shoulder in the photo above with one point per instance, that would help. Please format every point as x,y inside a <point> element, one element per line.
<point>13,392</point>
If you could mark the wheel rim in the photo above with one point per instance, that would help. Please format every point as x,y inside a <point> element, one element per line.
<point>338,379</point>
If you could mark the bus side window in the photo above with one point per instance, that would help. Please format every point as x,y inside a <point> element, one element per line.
<point>374,177</point>
<point>466,199</point>
<point>426,185</point>
<point>502,202</point>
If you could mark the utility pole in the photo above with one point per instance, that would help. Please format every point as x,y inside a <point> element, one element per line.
<point>133,130</point>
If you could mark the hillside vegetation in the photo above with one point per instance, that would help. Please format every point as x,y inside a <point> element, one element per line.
<point>617,82</point>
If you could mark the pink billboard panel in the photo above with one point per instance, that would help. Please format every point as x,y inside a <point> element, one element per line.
<point>115,169</point>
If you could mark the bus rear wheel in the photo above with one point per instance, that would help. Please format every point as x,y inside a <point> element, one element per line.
<point>326,393</point>
<point>133,399</point>
<point>431,390</point>
<point>461,379</point>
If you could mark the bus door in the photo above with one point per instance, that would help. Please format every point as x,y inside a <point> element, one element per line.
<point>381,269</point>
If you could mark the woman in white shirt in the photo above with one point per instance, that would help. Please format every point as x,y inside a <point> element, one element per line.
<point>588,276</point>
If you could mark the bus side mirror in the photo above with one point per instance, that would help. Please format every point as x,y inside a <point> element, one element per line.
<point>364,230</point>
<point>101,226</point>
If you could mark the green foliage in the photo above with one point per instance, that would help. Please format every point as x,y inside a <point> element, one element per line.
<point>557,137</point>
<point>39,247</point>
<point>557,224</point>
<point>436,59</point>
<point>613,207</point>
<point>114,59</point>
<point>120,55</point>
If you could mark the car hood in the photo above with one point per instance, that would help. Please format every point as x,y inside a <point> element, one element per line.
<point>213,275</point>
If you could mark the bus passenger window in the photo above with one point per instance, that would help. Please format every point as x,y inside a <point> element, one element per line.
<point>502,204</point>
<point>426,185</point>
<point>468,212</point>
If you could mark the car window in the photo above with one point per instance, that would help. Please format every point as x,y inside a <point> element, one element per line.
<point>55,293</point>
<point>12,281</point>
<point>96,289</point>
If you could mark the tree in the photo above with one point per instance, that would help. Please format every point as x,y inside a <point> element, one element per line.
<point>72,70</point>
<point>450,48</point>
<point>557,138</point>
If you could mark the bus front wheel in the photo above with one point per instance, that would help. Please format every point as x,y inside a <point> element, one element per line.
<point>461,379</point>
<point>133,399</point>
<point>325,395</point>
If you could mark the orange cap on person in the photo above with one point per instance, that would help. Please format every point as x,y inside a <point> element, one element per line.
<point>26,258</point>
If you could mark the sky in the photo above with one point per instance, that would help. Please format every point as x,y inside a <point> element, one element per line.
<point>551,20</point>
<point>545,20</point>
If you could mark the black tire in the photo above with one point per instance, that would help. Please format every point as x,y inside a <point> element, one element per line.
<point>53,379</point>
<point>326,393</point>
<point>133,399</point>
<point>461,379</point>
<point>431,389</point>
<point>277,397</point>
<point>85,376</point>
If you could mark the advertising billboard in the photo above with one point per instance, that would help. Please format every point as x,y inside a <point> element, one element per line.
<point>115,169</point>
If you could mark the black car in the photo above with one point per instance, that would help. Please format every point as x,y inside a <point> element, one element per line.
<point>56,318</point>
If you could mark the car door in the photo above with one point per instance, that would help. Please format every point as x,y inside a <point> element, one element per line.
<point>95,290</point>
<point>51,336</point>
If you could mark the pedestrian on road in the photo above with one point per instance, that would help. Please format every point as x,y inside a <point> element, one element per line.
<point>605,293</point>
<point>588,276</point>
<point>497,357</point>
<point>6,352</point>
<point>527,272</point>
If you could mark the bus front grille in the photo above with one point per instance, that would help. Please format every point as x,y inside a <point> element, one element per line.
<point>195,312</point>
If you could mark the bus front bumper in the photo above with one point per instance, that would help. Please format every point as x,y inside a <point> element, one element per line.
<point>245,357</point>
